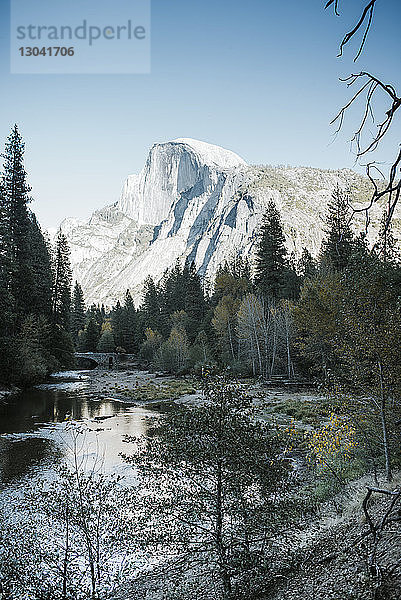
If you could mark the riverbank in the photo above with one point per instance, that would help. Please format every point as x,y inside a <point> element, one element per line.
<point>125,386</point>
<point>143,387</point>
<point>109,405</point>
<point>8,392</point>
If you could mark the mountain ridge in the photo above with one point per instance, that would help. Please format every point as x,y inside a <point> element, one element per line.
<point>199,202</point>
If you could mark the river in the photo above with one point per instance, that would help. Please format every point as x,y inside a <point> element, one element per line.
<point>34,428</point>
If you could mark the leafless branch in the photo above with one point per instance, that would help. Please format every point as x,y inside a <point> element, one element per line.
<point>366,19</point>
<point>371,88</point>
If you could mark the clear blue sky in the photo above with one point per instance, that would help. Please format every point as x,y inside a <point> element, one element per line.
<point>258,77</point>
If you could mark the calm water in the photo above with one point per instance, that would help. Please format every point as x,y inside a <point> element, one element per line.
<point>35,430</point>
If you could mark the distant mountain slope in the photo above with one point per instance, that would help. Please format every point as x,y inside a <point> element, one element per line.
<point>197,201</point>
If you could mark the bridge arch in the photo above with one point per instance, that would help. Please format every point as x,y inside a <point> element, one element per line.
<point>91,360</point>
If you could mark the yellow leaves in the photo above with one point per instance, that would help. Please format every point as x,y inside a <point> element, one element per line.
<point>332,442</point>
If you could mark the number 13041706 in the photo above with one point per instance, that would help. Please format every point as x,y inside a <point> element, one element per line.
<point>50,51</point>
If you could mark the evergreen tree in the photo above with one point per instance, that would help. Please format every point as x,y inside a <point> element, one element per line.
<point>129,325</point>
<point>61,343</point>
<point>6,299</point>
<point>271,256</point>
<point>25,260</point>
<point>291,280</point>
<point>117,318</point>
<point>25,273</point>
<point>306,266</point>
<point>106,342</point>
<point>42,282</point>
<point>92,335</point>
<point>172,297</point>
<point>338,247</point>
<point>62,283</point>
<point>77,312</point>
<point>195,304</point>
<point>16,199</point>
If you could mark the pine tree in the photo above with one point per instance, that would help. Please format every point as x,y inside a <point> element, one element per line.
<point>129,325</point>
<point>106,342</point>
<point>40,259</point>
<point>195,304</point>
<point>92,335</point>
<point>171,297</point>
<point>62,283</point>
<point>26,279</point>
<point>117,317</point>
<point>61,344</point>
<point>271,256</point>
<point>151,305</point>
<point>97,314</point>
<point>306,266</point>
<point>77,312</point>
<point>6,299</point>
<point>25,257</point>
<point>338,247</point>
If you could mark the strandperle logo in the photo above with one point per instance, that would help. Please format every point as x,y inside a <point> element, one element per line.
<point>80,36</point>
<point>84,31</point>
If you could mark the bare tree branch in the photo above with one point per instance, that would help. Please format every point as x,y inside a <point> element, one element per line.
<point>367,15</point>
<point>372,89</point>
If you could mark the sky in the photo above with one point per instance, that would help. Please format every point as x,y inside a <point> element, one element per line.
<point>260,78</point>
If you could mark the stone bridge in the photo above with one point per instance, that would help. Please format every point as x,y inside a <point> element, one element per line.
<point>106,360</point>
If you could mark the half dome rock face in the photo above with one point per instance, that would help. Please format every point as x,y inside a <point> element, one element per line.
<point>173,169</point>
<point>199,202</point>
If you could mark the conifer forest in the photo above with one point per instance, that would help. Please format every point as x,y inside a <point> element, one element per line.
<point>223,429</point>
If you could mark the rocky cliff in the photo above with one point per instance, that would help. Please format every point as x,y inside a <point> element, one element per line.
<point>199,202</point>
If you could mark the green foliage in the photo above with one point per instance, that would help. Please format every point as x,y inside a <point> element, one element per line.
<point>307,411</point>
<point>316,319</point>
<point>32,297</point>
<point>77,312</point>
<point>61,346</point>
<point>151,304</point>
<point>179,290</point>
<point>92,336</point>
<point>106,342</point>
<point>306,267</point>
<point>224,495</point>
<point>33,362</point>
<point>338,247</point>
<point>271,257</point>
<point>151,344</point>
<point>166,390</point>
<point>173,355</point>
<point>386,246</point>
<point>62,283</point>
<point>129,325</point>
<point>275,276</point>
<point>126,324</point>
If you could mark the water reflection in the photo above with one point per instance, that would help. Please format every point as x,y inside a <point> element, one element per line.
<point>36,431</point>
<point>19,456</point>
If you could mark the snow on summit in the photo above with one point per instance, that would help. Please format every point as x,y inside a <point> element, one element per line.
<point>212,154</point>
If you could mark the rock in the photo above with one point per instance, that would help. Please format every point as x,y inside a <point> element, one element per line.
<point>198,202</point>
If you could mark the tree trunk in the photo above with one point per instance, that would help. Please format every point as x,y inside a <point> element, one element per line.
<point>255,333</point>
<point>221,550</point>
<point>231,339</point>
<point>67,548</point>
<point>389,475</point>
<point>289,364</point>
<point>273,350</point>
